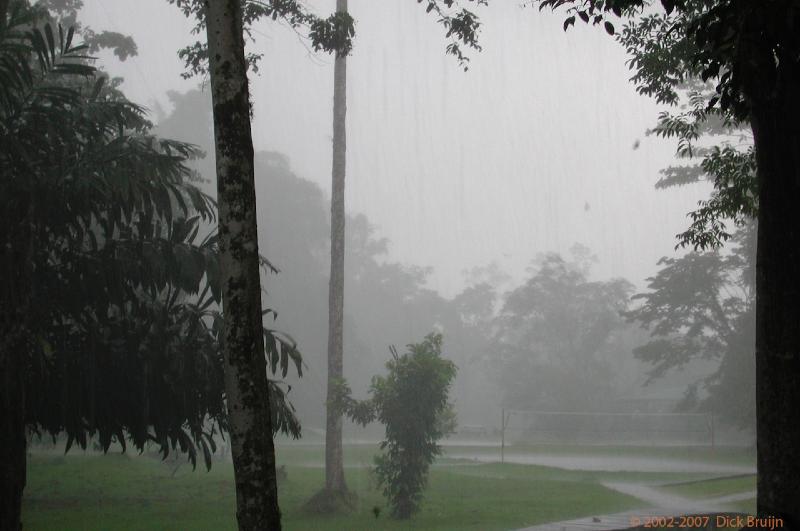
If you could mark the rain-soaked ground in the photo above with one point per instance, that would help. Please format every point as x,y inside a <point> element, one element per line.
<point>664,510</point>
<point>724,461</point>
<point>668,481</point>
<point>598,463</point>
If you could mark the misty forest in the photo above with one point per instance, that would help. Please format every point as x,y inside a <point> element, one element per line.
<point>399,264</point>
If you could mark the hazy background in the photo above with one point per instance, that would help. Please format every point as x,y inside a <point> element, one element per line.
<point>511,208</point>
<point>540,145</point>
<point>531,150</point>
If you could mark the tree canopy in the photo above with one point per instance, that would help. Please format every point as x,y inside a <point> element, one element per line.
<point>702,306</point>
<point>661,51</point>
<point>734,42</point>
<point>122,322</point>
<point>559,327</point>
<point>333,34</point>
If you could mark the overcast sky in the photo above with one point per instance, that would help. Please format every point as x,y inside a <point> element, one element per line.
<point>530,151</point>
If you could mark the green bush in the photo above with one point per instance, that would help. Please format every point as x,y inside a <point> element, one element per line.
<point>411,401</point>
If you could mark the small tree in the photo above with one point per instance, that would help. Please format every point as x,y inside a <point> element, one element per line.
<point>411,401</point>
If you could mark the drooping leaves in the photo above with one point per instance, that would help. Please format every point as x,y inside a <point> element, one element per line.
<point>124,314</point>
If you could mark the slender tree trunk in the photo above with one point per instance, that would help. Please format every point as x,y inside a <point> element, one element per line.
<point>246,388</point>
<point>776,129</point>
<point>3,12</point>
<point>334,465</point>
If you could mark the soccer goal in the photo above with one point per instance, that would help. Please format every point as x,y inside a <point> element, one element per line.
<point>588,428</point>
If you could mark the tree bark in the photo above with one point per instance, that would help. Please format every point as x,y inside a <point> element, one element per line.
<point>3,12</point>
<point>252,446</point>
<point>775,118</point>
<point>334,465</point>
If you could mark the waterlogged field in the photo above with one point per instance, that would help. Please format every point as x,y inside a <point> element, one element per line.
<point>87,491</point>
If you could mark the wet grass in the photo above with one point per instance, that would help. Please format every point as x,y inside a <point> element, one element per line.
<point>713,488</point>
<point>729,455</point>
<point>746,506</point>
<point>121,492</point>
<point>127,492</point>
<point>511,471</point>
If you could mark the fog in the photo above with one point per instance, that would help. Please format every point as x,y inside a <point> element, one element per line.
<point>511,207</point>
<point>456,169</point>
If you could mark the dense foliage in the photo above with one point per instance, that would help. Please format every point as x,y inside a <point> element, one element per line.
<point>122,318</point>
<point>411,401</point>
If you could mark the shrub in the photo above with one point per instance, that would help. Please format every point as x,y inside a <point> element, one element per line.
<point>412,402</point>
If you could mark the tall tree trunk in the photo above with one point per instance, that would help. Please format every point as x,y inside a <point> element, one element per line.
<point>775,118</point>
<point>252,447</point>
<point>334,466</point>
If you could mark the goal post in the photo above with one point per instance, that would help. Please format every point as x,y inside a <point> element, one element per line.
<point>605,428</point>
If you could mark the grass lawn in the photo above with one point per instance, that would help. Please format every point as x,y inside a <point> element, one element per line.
<point>747,506</point>
<point>713,488</point>
<point>728,455</point>
<point>121,492</point>
<point>512,471</point>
